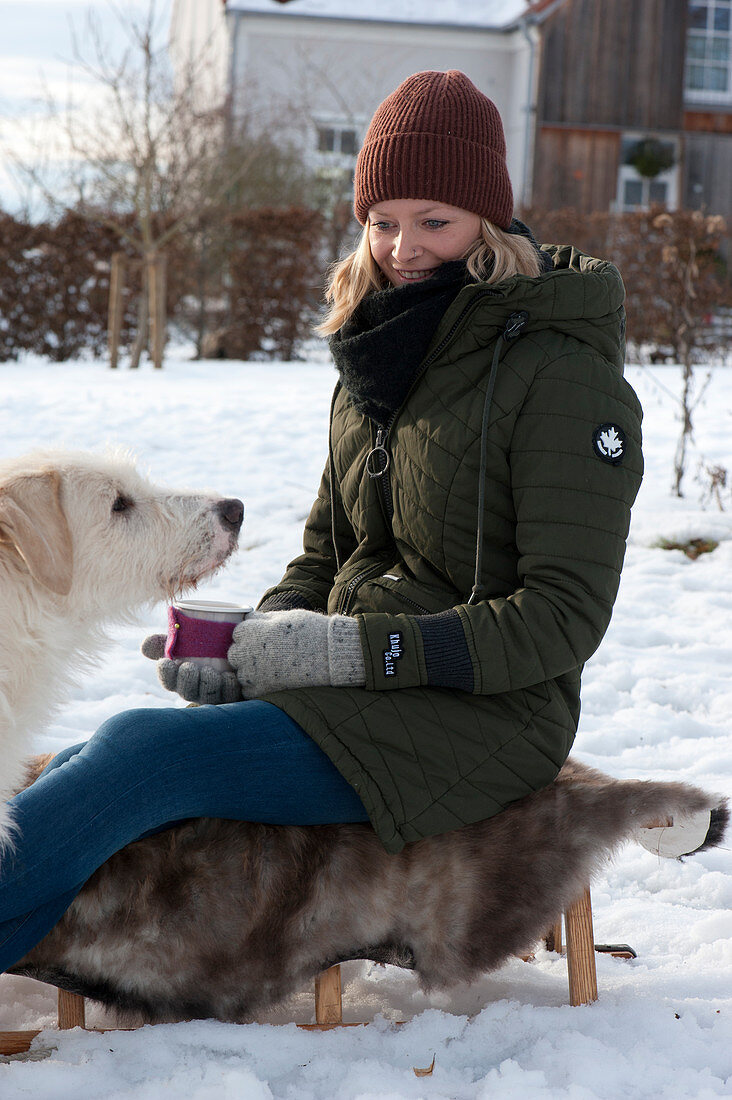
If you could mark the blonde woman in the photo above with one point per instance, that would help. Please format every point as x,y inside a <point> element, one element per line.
<point>418,665</point>
<point>463,555</point>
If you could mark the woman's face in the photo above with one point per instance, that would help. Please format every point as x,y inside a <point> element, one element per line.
<point>410,238</point>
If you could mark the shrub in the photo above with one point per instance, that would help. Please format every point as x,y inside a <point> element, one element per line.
<point>272,283</point>
<point>54,287</point>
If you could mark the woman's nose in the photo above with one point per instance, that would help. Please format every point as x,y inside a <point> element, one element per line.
<point>405,247</point>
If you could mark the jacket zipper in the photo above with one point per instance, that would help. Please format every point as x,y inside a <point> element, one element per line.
<point>406,599</point>
<point>380,448</point>
<point>377,463</point>
<point>349,591</point>
<point>378,458</point>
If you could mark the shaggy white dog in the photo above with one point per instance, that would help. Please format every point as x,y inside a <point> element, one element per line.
<point>84,540</point>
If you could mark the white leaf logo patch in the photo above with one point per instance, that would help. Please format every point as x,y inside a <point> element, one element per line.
<point>608,441</point>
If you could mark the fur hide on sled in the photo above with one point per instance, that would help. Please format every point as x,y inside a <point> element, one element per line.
<point>223,919</point>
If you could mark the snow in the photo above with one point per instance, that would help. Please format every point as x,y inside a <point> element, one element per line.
<point>657,704</point>
<point>451,13</point>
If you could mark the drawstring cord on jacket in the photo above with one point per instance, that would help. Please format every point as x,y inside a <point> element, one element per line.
<point>514,327</point>
<point>331,479</point>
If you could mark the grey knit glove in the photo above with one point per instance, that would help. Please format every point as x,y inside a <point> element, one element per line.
<point>195,684</point>
<point>290,649</point>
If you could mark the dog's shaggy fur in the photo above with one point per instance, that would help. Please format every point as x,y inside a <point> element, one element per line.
<point>222,919</point>
<point>85,540</point>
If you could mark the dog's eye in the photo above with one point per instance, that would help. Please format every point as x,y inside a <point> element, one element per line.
<point>122,503</point>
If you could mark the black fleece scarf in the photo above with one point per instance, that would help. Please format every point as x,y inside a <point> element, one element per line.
<point>378,351</point>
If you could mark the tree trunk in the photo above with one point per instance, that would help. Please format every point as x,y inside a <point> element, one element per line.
<point>116,305</point>
<point>143,321</point>
<point>157,266</point>
<point>686,424</point>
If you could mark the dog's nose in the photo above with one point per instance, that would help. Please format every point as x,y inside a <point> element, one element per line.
<point>231,513</point>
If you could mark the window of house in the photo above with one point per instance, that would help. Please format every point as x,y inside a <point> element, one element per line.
<point>709,51</point>
<point>334,138</point>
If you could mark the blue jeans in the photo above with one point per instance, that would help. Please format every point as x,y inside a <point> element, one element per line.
<point>142,771</point>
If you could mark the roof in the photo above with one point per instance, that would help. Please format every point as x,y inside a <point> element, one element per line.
<point>496,14</point>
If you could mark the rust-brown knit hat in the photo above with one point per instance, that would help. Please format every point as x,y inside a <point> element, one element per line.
<point>436,137</point>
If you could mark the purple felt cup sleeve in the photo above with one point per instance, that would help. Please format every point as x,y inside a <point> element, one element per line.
<point>197,638</point>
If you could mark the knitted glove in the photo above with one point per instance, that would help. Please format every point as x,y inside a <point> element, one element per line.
<point>289,649</point>
<point>195,684</point>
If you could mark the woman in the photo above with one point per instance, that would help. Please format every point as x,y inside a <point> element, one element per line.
<point>419,664</point>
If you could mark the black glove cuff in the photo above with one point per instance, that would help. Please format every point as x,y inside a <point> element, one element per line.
<point>446,651</point>
<point>284,601</point>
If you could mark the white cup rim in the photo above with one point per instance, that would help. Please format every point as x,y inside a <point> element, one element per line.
<point>210,605</point>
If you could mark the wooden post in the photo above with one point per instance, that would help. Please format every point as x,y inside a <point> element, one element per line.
<point>116,305</point>
<point>71,1012</point>
<point>156,291</point>
<point>581,951</point>
<point>328,1005</point>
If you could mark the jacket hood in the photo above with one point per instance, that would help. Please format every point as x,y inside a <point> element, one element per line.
<point>580,296</point>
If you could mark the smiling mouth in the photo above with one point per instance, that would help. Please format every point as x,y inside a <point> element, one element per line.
<point>415,276</point>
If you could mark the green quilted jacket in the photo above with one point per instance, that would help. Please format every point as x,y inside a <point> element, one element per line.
<point>485,552</point>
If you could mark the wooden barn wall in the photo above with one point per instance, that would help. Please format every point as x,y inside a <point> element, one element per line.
<point>707,173</point>
<point>614,63</point>
<point>576,168</point>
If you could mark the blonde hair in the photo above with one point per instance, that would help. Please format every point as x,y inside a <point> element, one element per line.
<point>495,256</point>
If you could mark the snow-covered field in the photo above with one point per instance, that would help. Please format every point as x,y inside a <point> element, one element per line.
<point>657,704</point>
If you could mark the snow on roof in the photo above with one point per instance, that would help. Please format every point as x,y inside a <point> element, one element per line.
<point>457,13</point>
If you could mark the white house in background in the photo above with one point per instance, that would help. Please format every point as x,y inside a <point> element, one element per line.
<point>313,71</point>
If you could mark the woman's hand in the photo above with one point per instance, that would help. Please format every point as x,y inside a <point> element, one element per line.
<point>277,650</point>
<point>193,683</point>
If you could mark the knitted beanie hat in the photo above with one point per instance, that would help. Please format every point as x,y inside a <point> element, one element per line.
<point>436,137</point>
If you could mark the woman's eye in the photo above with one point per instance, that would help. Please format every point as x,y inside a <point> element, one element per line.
<point>380,227</point>
<point>434,223</point>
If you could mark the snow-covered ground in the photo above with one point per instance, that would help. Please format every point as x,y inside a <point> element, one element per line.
<point>657,704</point>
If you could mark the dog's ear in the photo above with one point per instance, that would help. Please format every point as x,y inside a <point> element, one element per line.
<point>32,519</point>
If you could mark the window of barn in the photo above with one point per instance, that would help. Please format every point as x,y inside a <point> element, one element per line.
<point>648,173</point>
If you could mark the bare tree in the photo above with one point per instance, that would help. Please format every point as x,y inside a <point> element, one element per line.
<point>692,286</point>
<point>145,158</point>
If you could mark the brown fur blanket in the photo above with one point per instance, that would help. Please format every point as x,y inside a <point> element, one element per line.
<point>223,919</point>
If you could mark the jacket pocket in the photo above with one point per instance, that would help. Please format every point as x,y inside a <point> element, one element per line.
<point>392,593</point>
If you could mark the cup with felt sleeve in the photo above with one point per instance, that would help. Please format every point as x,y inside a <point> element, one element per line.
<point>200,631</point>
<point>191,658</point>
